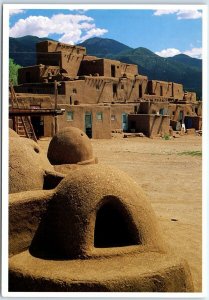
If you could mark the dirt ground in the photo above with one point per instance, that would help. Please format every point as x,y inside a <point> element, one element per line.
<point>172,182</point>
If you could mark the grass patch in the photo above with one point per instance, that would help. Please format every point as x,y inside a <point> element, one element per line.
<point>191,153</point>
<point>166,137</point>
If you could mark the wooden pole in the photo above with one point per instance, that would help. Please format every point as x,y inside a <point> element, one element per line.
<point>55,106</point>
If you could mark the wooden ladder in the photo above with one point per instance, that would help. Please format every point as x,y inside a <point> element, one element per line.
<point>23,125</point>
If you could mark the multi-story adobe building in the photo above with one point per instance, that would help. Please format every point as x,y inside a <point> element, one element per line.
<point>101,95</point>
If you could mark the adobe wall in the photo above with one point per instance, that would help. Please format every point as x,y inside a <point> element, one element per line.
<point>65,56</point>
<point>52,46</point>
<point>100,127</point>
<point>106,67</point>
<point>176,109</point>
<point>165,89</point>
<point>129,69</point>
<point>178,91</point>
<point>40,88</point>
<point>153,108</point>
<point>190,97</point>
<point>116,114</point>
<point>36,101</point>
<point>150,125</point>
<point>95,89</point>
<point>91,67</point>
<point>37,74</point>
<point>30,74</point>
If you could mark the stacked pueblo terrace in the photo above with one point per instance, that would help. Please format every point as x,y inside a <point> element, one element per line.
<point>101,96</point>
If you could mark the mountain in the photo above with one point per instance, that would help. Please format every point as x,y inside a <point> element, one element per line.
<point>23,49</point>
<point>180,68</point>
<point>187,60</point>
<point>103,47</point>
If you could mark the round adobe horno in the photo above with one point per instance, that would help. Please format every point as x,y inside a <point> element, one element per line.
<point>97,211</point>
<point>70,146</point>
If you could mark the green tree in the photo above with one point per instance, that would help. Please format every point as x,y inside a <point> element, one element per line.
<point>13,71</point>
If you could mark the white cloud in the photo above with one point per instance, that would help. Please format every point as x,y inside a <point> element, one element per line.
<point>93,32</point>
<point>161,12</point>
<point>181,14</point>
<point>188,14</point>
<point>15,11</point>
<point>194,52</point>
<point>169,52</point>
<point>72,28</point>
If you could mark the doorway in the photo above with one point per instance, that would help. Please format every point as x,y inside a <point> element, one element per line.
<point>88,124</point>
<point>113,71</point>
<point>38,125</point>
<point>140,91</point>
<point>124,121</point>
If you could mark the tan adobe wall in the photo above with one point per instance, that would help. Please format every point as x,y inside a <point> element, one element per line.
<point>75,116</point>
<point>102,67</point>
<point>160,88</point>
<point>92,67</point>
<point>153,108</point>
<point>94,90</point>
<point>68,62</point>
<point>117,110</point>
<point>71,63</point>
<point>165,89</point>
<point>178,92</point>
<point>30,74</point>
<point>49,58</point>
<point>129,69</point>
<point>150,125</point>
<point>40,88</point>
<point>190,97</point>
<point>51,46</point>
<point>177,111</point>
<point>38,101</point>
<point>65,56</point>
<point>106,67</point>
<point>37,74</point>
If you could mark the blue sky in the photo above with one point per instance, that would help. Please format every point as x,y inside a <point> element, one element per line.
<point>165,32</point>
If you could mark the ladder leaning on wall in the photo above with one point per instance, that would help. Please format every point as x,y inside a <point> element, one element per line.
<point>22,124</point>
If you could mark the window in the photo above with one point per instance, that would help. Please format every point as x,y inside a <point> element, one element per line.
<point>69,115</point>
<point>161,112</point>
<point>114,87</point>
<point>113,71</point>
<point>113,118</point>
<point>99,116</point>
<point>140,91</point>
<point>122,86</point>
<point>161,91</point>
<point>97,86</point>
<point>74,91</point>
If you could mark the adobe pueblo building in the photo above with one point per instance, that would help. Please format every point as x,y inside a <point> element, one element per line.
<point>101,95</point>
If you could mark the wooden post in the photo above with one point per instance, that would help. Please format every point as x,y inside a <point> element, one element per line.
<point>55,106</point>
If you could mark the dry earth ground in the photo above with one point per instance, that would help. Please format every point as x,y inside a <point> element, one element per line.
<point>172,182</point>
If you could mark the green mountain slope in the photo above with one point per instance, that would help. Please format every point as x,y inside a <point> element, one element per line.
<point>103,47</point>
<point>187,60</point>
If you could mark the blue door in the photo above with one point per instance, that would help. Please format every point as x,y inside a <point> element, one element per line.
<point>124,121</point>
